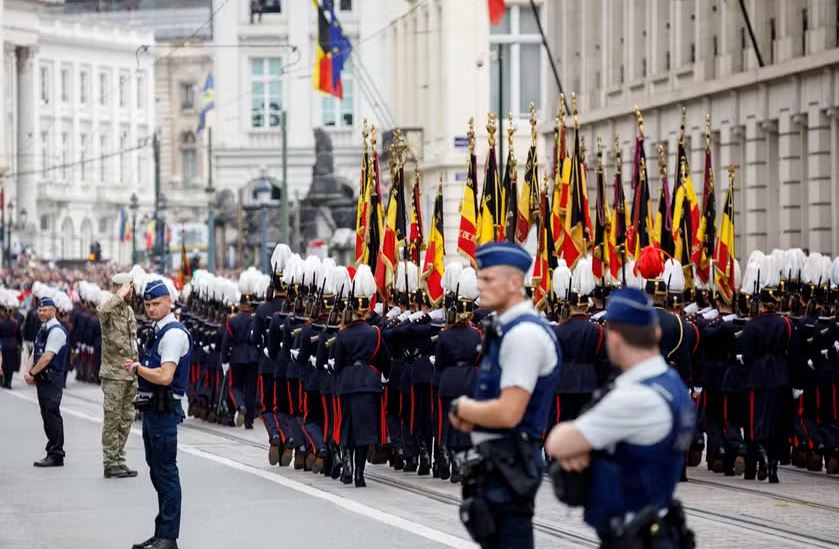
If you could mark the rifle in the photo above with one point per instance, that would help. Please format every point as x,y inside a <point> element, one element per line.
<point>337,308</point>
<point>451,313</point>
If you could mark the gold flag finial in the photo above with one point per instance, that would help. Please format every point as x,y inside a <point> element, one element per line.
<point>533,122</point>
<point>640,121</point>
<point>373,136</point>
<point>732,169</point>
<point>707,130</point>
<point>574,110</point>
<point>662,161</point>
<point>491,129</point>
<point>684,170</point>
<point>562,112</point>
<point>511,130</point>
<point>599,154</point>
<point>618,153</point>
<point>682,125</point>
<point>365,133</point>
<point>470,135</point>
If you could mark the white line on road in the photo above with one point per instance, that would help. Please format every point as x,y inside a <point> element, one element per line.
<point>345,503</point>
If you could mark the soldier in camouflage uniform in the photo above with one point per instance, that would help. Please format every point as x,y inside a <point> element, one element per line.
<point>119,343</point>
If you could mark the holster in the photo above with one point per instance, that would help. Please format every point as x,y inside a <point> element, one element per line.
<point>512,459</point>
<point>44,376</point>
<point>161,400</point>
<point>649,530</point>
<point>475,512</point>
<point>570,487</point>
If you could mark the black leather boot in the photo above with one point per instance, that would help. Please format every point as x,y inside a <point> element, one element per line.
<point>411,465</point>
<point>347,466</point>
<point>456,477</point>
<point>360,463</point>
<point>424,468</point>
<point>397,461</point>
<point>337,463</point>
<point>443,465</point>
<point>762,464</point>
<point>773,472</point>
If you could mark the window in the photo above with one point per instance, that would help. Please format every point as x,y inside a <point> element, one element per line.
<point>65,154</point>
<point>65,84</point>
<point>83,156</point>
<point>266,92</point>
<point>123,89</point>
<point>123,163</point>
<point>103,88</point>
<point>84,86</point>
<point>346,5</point>
<point>45,222</point>
<point>187,95</point>
<point>271,6</point>
<point>103,160</point>
<point>516,45</point>
<point>45,152</point>
<point>339,112</point>
<point>716,43</point>
<point>141,91</point>
<point>45,85</point>
<point>188,158</point>
<point>804,29</point>
<point>104,224</point>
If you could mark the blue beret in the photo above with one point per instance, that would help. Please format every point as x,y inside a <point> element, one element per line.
<point>503,253</point>
<point>155,289</point>
<point>46,302</point>
<point>630,306</point>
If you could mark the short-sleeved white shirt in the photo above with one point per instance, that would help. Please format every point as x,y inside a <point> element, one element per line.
<point>631,412</point>
<point>175,343</point>
<point>56,338</point>
<point>527,353</point>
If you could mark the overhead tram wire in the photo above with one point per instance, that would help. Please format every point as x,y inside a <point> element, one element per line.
<point>145,142</point>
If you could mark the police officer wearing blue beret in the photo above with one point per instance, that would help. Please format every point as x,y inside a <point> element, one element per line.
<point>513,393</point>
<point>163,373</point>
<point>628,449</point>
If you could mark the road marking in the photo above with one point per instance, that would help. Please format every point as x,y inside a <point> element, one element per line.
<point>345,503</point>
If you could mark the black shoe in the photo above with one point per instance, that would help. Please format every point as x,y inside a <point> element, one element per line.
<point>50,461</point>
<point>116,472</point>
<point>456,477</point>
<point>424,465</point>
<point>443,466</point>
<point>144,544</point>
<point>346,467</point>
<point>287,455</point>
<point>397,461</point>
<point>814,463</point>
<point>128,472</point>
<point>750,468</point>
<point>762,464</point>
<point>773,472</point>
<point>274,450</point>
<point>411,465</point>
<point>248,426</point>
<point>320,459</point>
<point>164,543</point>
<point>337,463</point>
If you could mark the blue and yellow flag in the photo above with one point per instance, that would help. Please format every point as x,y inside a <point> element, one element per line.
<point>332,50</point>
<point>208,102</point>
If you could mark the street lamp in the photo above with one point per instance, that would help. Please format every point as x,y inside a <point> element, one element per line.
<point>161,232</point>
<point>262,194</point>
<point>7,237</point>
<point>134,205</point>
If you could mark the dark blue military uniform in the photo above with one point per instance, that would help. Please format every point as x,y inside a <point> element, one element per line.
<point>259,339</point>
<point>10,339</point>
<point>238,350</point>
<point>585,366</point>
<point>50,385</point>
<point>456,362</point>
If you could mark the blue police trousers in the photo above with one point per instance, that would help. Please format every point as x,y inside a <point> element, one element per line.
<point>160,438</point>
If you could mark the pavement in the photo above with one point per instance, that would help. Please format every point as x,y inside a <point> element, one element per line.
<point>233,498</point>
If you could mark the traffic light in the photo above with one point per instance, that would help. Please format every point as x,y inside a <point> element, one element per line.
<point>95,254</point>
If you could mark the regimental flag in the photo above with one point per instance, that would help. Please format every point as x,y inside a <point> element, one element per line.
<point>542,266</point>
<point>724,249</point>
<point>491,218</point>
<point>602,252</point>
<point>577,235</point>
<point>151,231</point>
<point>685,216</point>
<point>663,227</point>
<point>638,234</point>
<point>510,194</point>
<point>703,241</point>
<point>386,262</point>
<point>467,233</point>
<point>618,228</point>
<point>332,50</point>
<point>529,202</point>
<point>562,181</point>
<point>185,273</point>
<point>376,221</point>
<point>496,11</point>
<point>401,212</point>
<point>124,227</point>
<point>416,239</point>
<point>432,269</point>
<point>362,214</point>
<point>207,103</point>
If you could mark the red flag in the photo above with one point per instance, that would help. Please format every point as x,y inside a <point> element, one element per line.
<point>496,11</point>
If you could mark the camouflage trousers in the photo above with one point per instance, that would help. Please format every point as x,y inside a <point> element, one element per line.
<point>119,413</point>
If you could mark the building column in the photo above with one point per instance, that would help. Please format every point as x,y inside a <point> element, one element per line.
<point>789,176</point>
<point>755,183</point>
<point>833,118</point>
<point>26,138</point>
<point>820,212</point>
<point>732,149</point>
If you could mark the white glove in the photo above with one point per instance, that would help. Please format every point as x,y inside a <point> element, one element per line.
<point>697,391</point>
<point>281,346</point>
<point>836,346</point>
<point>729,318</point>
<point>384,379</point>
<point>294,353</point>
<point>432,359</point>
<point>437,314</point>
<point>692,308</point>
<point>796,393</point>
<point>403,316</point>
<point>598,315</point>
<point>394,311</point>
<point>713,314</point>
<point>224,367</point>
<point>331,364</point>
<point>824,353</point>
<point>416,316</point>
<point>313,360</point>
<point>213,346</point>
<point>740,359</point>
<point>206,348</point>
<point>378,308</point>
<point>265,352</point>
<point>810,364</point>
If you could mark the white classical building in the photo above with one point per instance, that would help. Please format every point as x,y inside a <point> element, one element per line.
<point>778,124</point>
<point>78,116</point>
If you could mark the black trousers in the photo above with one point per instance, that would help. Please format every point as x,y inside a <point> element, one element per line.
<point>49,400</point>
<point>243,383</point>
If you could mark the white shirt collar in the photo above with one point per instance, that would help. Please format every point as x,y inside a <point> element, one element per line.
<point>651,367</point>
<point>168,319</point>
<point>523,308</point>
<point>52,322</point>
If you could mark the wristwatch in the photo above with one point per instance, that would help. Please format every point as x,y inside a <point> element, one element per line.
<point>453,408</point>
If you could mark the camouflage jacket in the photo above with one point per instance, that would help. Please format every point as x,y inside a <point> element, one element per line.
<point>119,337</point>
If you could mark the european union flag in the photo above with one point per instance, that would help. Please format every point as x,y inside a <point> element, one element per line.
<point>208,102</point>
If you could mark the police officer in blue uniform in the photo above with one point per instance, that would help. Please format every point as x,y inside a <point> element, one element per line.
<point>163,372</point>
<point>632,441</point>
<point>49,360</point>
<point>513,392</point>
